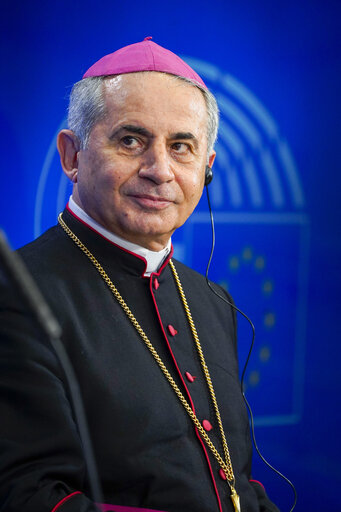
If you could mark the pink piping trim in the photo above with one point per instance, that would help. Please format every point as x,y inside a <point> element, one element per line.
<point>258,482</point>
<point>188,393</point>
<point>61,502</point>
<point>107,239</point>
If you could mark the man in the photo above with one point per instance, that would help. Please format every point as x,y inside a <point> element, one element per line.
<point>154,350</point>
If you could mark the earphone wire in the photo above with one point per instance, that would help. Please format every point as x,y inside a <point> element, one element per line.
<point>247,358</point>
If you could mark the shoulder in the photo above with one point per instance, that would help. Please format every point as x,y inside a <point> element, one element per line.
<point>46,247</point>
<point>54,263</point>
<point>50,256</point>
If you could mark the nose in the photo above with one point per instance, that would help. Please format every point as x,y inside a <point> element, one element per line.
<point>156,165</point>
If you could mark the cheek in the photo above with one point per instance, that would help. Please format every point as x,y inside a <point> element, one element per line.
<point>115,172</point>
<point>194,187</point>
<point>105,175</point>
<point>192,195</point>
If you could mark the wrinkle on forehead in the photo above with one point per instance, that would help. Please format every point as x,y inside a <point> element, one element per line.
<point>113,83</point>
<point>119,82</point>
<point>134,84</point>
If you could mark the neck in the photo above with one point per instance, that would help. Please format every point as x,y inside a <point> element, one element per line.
<point>154,259</point>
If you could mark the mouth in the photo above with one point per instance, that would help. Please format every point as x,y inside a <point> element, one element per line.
<point>150,202</point>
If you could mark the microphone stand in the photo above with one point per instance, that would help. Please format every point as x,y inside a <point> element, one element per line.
<point>36,303</point>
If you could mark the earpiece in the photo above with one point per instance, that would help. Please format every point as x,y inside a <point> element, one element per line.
<point>208,175</point>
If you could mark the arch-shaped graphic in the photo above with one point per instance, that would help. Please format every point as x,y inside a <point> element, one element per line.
<point>248,132</point>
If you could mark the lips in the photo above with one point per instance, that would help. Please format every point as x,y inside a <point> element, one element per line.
<point>151,202</point>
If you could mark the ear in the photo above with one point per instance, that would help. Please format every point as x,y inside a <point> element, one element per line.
<point>68,146</point>
<point>211,159</point>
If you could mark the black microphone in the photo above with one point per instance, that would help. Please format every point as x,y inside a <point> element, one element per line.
<point>36,303</point>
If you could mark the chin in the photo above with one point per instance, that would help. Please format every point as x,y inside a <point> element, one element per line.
<point>147,226</point>
<point>147,235</point>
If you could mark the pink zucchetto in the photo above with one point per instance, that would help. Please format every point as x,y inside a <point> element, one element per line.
<point>143,56</point>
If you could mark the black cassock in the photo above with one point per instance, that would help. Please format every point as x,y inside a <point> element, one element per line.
<point>148,452</point>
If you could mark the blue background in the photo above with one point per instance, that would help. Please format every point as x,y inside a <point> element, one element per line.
<point>282,269</point>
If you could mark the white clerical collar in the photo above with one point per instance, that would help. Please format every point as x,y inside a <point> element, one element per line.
<point>154,259</point>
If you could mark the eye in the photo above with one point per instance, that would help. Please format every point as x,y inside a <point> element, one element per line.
<point>130,142</point>
<point>181,148</point>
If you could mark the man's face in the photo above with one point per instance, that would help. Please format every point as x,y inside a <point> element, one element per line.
<point>143,171</point>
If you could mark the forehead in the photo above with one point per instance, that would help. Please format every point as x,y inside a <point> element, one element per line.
<point>157,99</point>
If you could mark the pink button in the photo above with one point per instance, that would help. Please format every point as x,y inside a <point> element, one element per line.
<point>190,377</point>
<point>156,284</point>
<point>222,474</point>
<point>172,331</point>
<point>207,425</point>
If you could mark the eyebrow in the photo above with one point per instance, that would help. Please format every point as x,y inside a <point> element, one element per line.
<point>139,130</point>
<point>184,136</point>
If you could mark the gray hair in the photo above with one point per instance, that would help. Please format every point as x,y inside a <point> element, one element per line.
<point>87,107</point>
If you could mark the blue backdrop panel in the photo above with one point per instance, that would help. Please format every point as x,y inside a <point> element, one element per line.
<point>275,69</point>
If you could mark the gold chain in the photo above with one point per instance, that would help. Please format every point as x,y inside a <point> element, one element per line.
<point>229,474</point>
<point>225,465</point>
